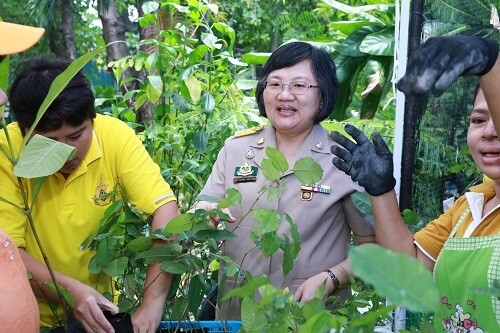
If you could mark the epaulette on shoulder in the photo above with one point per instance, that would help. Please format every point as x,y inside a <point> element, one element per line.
<point>248,131</point>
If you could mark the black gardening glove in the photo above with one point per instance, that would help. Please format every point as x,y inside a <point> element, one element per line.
<point>369,164</point>
<point>441,60</point>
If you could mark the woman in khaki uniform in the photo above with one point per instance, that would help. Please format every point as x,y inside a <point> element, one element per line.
<point>297,89</point>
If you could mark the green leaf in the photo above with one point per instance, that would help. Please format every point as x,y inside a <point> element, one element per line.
<point>198,54</point>
<point>248,289</point>
<point>233,197</point>
<point>362,202</point>
<point>277,159</point>
<point>174,266</point>
<point>269,170</point>
<point>194,88</point>
<point>270,243</point>
<point>348,27</point>
<point>254,58</point>
<point>317,323</point>
<point>210,40</point>
<point>154,88</point>
<point>139,244</point>
<point>180,223</point>
<point>37,186</point>
<point>116,267</point>
<point>214,234</point>
<point>291,249</point>
<point>200,141</point>
<point>404,280</point>
<point>307,171</point>
<point>159,253</point>
<point>268,219</point>
<point>351,45</point>
<point>252,317</point>
<point>42,157</point>
<point>195,293</point>
<point>105,250</point>
<point>379,43</point>
<point>208,103</point>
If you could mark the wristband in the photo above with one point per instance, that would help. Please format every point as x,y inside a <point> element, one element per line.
<point>336,282</point>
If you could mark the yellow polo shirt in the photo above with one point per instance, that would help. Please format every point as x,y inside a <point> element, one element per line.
<point>66,211</point>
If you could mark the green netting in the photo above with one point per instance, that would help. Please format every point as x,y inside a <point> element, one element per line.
<point>443,165</point>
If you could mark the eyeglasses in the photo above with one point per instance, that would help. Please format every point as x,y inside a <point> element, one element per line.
<point>296,87</point>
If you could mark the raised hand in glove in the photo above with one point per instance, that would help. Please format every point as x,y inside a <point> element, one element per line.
<point>441,60</point>
<point>369,164</point>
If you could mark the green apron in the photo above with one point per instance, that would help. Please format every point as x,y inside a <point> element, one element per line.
<point>463,265</point>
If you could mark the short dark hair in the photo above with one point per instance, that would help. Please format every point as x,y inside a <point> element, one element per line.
<point>73,106</point>
<point>323,68</point>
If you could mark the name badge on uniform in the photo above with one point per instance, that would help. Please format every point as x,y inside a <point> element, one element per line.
<point>308,190</point>
<point>245,173</point>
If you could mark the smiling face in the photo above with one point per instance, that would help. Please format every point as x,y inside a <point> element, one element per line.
<point>482,139</point>
<point>292,114</point>
<point>79,137</point>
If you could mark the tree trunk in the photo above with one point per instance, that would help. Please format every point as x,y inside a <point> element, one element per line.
<point>67,31</point>
<point>113,32</point>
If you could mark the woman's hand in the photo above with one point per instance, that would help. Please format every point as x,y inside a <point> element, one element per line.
<point>307,290</point>
<point>88,308</point>
<point>148,317</point>
<point>369,164</point>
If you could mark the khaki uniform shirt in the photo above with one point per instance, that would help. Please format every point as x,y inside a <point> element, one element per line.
<point>325,222</point>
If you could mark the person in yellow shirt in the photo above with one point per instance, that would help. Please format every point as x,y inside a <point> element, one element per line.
<point>462,246</point>
<point>18,309</point>
<point>72,201</point>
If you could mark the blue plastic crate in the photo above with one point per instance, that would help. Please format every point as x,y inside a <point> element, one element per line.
<point>229,326</point>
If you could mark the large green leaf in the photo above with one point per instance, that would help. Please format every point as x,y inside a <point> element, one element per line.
<point>42,157</point>
<point>380,43</point>
<point>307,171</point>
<point>351,45</point>
<point>348,72</point>
<point>402,279</point>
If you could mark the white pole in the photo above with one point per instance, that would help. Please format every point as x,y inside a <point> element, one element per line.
<point>401,55</point>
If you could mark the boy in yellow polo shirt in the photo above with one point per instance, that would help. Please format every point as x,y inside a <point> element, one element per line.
<point>69,205</point>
